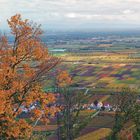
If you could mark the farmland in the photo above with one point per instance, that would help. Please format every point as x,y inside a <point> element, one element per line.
<point>101,60</point>
<point>100,70</point>
<point>105,66</point>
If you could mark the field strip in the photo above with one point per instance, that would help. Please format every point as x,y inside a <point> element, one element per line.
<point>96,135</point>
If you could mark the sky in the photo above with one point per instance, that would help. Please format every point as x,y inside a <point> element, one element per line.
<point>74,14</point>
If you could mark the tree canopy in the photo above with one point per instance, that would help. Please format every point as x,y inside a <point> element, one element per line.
<point>23,65</point>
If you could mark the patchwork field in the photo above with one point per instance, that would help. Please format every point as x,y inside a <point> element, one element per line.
<point>104,73</point>
<point>108,71</point>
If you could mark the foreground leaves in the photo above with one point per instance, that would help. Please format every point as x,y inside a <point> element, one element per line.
<point>23,66</point>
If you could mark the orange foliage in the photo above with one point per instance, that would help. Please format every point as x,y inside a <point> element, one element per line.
<point>64,79</point>
<point>22,66</point>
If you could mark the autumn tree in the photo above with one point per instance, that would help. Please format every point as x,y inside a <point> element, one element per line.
<point>71,101</point>
<point>23,66</point>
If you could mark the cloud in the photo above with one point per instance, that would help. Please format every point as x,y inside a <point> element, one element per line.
<point>69,12</point>
<point>126,15</point>
<point>81,16</point>
<point>128,11</point>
